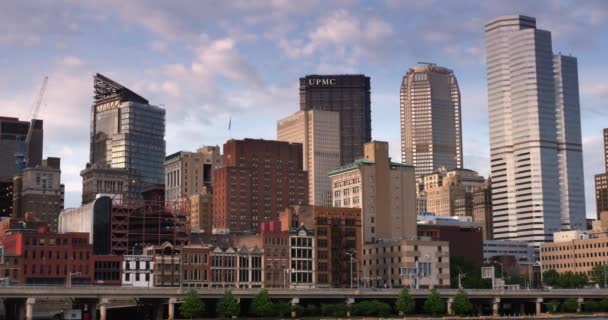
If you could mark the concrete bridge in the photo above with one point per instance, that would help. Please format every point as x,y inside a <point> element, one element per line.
<point>20,301</point>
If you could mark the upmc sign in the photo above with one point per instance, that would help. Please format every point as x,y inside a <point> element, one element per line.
<point>322,82</point>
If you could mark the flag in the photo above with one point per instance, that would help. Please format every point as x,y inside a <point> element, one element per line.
<point>229,123</point>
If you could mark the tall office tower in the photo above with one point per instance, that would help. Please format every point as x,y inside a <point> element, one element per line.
<point>319,133</point>
<point>431,131</point>
<point>127,142</point>
<point>39,192</point>
<point>350,96</point>
<point>188,173</point>
<point>13,131</point>
<point>534,133</point>
<point>257,179</point>
<point>601,182</point>
<point>384,190</point>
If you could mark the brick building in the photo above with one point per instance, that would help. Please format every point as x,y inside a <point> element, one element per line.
<point>257,179</point>
<point>47,258</point>
<point>196,265</point>
<point>276,254</point>
<point>337,236</point>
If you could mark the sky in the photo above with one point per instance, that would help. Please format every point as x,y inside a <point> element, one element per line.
<point>208,61</point>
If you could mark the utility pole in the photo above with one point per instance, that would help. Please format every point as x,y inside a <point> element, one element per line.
<point>351,254</point>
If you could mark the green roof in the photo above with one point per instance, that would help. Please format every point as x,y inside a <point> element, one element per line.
<point>360,162</point>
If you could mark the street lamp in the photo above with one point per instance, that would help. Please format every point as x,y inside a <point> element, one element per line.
<point>70,277</point>
<point>352,258</point>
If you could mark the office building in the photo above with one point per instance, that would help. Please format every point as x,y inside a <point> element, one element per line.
<point>482,208</point>
<point>462,234</point>
<point>431,125</point>
<point>384,190</point>
<point>450,192</point>
<point>38,192</point>
<point>6,198</point>
<point>575,251</point>
<point>601,182</point>
<point>276,254</point>
<point>535,139</point>
<point>188,173</point>
<point>201,211</point>
<point>520,250</point>
<point>319,133</point>
<point>337,241</point>
<point>257,179</point>
<point>410,263</point>
<point>350,96</point>
<point>13,134</point>
<point>127,151</point>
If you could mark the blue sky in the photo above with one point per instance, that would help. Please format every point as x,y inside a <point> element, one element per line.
<point>205,61</point>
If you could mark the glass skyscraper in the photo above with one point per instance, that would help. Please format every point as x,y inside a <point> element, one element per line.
<point>431,130</point>
<point>535,135</point>
<point>127,142</point>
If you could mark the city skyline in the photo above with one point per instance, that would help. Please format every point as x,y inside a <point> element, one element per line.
<point>203,81</point>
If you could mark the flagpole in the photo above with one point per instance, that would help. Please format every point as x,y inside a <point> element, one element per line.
<point>229,127</point>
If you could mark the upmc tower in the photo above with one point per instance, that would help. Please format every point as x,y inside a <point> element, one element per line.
<point>350,96</point>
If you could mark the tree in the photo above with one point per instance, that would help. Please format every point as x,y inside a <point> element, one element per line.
<point>570,306</point>
<point>471,274</point>
<point>434,305</point>
<point>228,306</point>
<point>312,310</point>
<point>281,308</point>
<point>192,306</point>
<point>461,305</point>
<point>572,280</point>
<point>261,305</point>
<point>551,277</point>
<point>603,305</point>
<point>599,274</point>
<point>405,302</point>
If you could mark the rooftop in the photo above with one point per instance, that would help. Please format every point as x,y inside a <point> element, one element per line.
<point>361,162</point>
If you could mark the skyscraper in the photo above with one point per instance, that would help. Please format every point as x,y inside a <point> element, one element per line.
<point>431,131</point>
<point>319,133</point>
<point>601,182</point>
<point>11,132</point>
<point>350,96</point>
<point>127,142</point>
<point>535,140</point>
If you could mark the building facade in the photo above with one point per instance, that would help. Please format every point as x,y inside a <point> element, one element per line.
<point>575,251</point>
<point>461,233</point>
<point>350,96</point>
<point>276,254</point>
<point>138,271</point>
<point>201,211</point>
<point>406,263</point>
<point>601,182</point>
<point>47,258</point>
<point>535,139</point>
<point>257,179</point>
<point>12,139</point>
<point>384,190</point>
<point>319,133</point>
<point>127,136</point>
<point>39,192</point>
<point>196,265</point>
<point>431,125</point>
<point>338,241</point>
<point>450,192</point>
<point>482,208</point>
<point>189,173</point>
<point>521,250</point>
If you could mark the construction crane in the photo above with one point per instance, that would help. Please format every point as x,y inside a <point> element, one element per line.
<point>21,154</point>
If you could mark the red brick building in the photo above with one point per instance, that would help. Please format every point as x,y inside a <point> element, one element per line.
<point>337,235</point>
<point>47,258</point>
<point>196,265</point>
<point>276,254</point>
<point>257,179</point>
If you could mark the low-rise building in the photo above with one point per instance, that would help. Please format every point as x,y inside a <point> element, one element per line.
<point>574,251</point>
<point>196,265</point>
<point>302,257</point>
<point>520,250</point>
<point>276,254</point>
<point>463,235</point>
<point>137,271</point>
<point>240,268</point>
<point>410,263</point>
<point>166,264</point>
